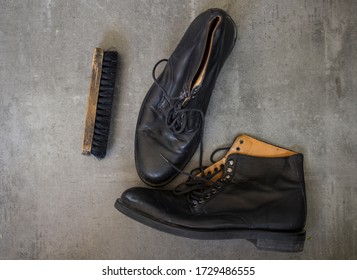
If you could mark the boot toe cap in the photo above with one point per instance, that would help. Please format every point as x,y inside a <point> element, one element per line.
<point>152,168</point>
<point>144,200</point>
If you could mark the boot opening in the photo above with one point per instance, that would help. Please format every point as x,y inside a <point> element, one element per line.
<point>197,80</point>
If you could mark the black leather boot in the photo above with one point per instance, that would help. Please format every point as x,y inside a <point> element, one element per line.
<point>261,199</point>
<point>171,118</point>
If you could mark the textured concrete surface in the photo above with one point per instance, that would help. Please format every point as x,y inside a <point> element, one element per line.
<point>290,80</point>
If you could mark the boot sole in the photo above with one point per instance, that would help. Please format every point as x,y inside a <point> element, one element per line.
<point>280,241</point>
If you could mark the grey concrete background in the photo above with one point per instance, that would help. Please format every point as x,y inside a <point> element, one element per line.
<point>290,80</point>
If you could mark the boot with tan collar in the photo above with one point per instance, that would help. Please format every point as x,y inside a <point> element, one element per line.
<point>255,192</point>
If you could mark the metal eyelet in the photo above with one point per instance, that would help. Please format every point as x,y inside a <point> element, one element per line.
<point>218,186</point>
<point>194,204</point>
<point>208,196</point>
<point>213,191</point>
<point>201,201</point>
<point>229,170</point>
<point>231,162</point>
<point>228,176</point>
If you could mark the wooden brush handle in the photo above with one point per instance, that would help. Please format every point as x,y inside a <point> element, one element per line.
<point>91,111</point>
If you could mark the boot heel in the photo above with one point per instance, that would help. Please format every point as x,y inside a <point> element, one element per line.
<point>292,244</point>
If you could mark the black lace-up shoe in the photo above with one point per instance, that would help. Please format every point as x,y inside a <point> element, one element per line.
<point>171,119</point>
<point>261,199</point>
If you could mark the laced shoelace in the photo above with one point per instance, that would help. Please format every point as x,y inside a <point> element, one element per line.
<point>197,188</point>
<point>200,188</point>
<point>176,119</point>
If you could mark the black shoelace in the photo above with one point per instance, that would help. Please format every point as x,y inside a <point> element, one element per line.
<point>200,188</point>
<point>177,117</point>
<point>197,188</point>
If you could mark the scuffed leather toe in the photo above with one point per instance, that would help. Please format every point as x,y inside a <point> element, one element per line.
<point>152,169</point>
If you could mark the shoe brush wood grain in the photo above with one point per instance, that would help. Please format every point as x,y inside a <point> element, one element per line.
<point>100,100</point>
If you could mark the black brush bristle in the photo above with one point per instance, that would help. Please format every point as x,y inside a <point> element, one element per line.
<point>104,105</point>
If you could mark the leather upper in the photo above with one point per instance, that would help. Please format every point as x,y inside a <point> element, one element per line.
<point>155,135</point>
<point>255,193</point>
